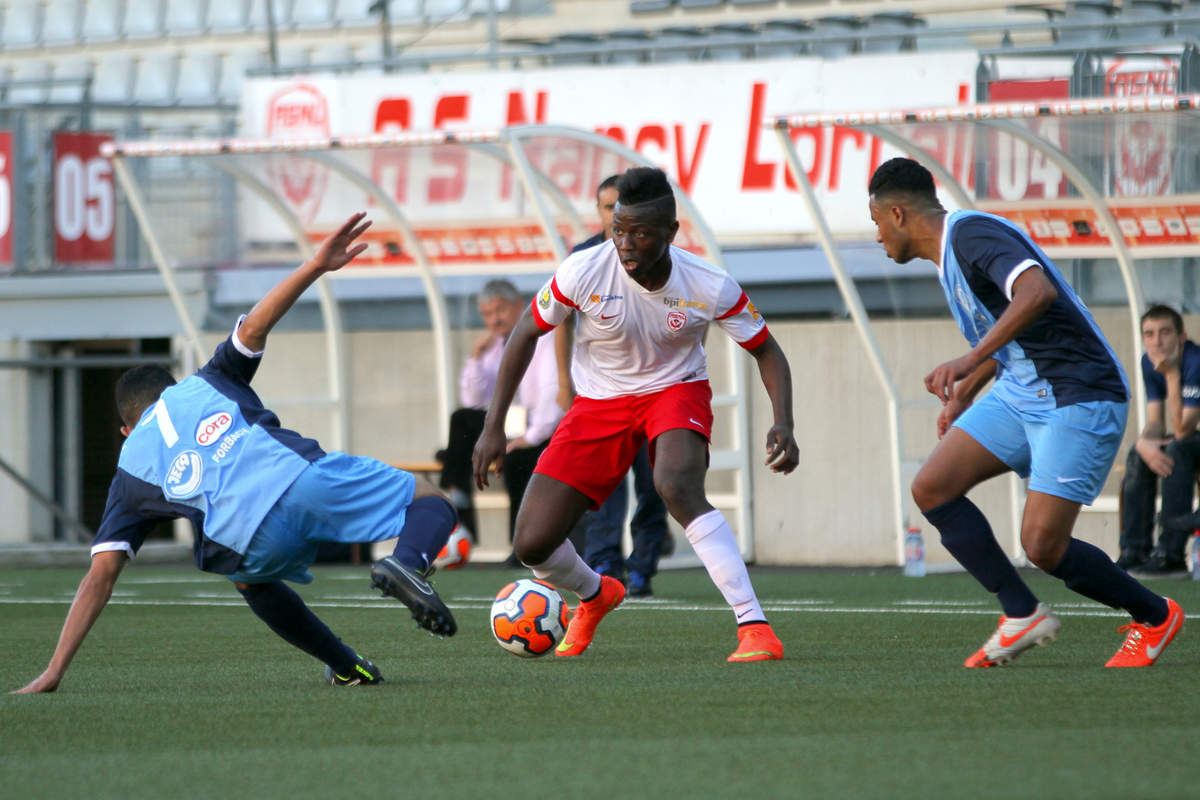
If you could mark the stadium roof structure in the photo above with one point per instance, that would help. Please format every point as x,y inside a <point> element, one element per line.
<point>1115,177</point>
<point>500,202</point>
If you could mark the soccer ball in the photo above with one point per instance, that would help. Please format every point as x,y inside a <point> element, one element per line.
<point>457,550</point>
<point>529,618</point>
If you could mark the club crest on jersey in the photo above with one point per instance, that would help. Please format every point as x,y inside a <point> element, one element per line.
<point>210,428</point>
<point>544,298</point>
<point>183,476</point>
<point>676,320</point>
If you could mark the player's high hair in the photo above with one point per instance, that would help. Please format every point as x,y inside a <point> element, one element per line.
<point>903,176</point>
<point>138,389</point>
<point>502,289</point>
<point>608,183</point>
<point>646,185</point>
<point>1161,311</point>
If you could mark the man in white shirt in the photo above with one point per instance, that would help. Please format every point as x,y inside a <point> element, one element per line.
<point>533,417</point>
<point>640,372</point>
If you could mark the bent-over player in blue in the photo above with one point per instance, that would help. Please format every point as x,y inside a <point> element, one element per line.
<point>1055,414</point>
<point>260,497</point>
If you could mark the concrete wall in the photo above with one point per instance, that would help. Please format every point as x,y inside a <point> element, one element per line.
<point>834,509</point>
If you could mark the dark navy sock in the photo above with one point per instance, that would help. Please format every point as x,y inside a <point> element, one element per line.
<point>286,614</point>
<point>428,523</point>
<point>968,536</point>
<point>1087,570</point>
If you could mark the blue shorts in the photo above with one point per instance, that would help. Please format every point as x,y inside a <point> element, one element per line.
<point>338,498</point>
<point>1066,452</point>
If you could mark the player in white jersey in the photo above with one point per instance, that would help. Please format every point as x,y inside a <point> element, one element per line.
<point>641,375</point>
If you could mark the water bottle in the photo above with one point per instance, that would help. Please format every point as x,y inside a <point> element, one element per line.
<point>1196,555</point>
<point>914,553</point>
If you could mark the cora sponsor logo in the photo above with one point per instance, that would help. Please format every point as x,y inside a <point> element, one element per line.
<point>184,475</point>
<point>210,428</point>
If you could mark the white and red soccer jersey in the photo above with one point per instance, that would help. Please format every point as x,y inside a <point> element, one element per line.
<point>629,340</point>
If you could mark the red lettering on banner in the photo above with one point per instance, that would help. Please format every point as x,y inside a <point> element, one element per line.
<point>840,135</point>
<point>756,174</point>
<point>651,133</point>
<point>389,167</point>
<point>516,109</point>
<point>685,170</point>
<point>452,187</point>
<point>818,139</point>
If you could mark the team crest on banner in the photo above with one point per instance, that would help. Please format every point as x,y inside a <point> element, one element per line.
<point>299,111</point>
<point>676,320</point>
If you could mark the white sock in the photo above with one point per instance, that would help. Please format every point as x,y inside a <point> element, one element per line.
<point>566,570</point>
<point>714,542</point>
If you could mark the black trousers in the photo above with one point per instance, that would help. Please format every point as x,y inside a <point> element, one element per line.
<point>1139,488</point>
<point>457,472</point>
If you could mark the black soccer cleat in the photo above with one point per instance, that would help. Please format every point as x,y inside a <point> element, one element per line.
<point>411,588</point>
<point>365,674</point>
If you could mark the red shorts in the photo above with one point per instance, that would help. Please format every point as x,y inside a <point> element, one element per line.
<point>595,443</point>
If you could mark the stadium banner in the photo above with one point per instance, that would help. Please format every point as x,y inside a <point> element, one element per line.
<point>84,199</point>
<point>701,122</point>
<point>6,195</point>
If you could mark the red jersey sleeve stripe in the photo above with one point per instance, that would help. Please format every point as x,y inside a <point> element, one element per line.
<point>562,298</point>
<point>738,306</point>
<point>537,316</point>
<point>756,339</point>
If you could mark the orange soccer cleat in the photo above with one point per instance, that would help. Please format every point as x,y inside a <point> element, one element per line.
<point>757,642</point>
<point>1144,643</point>
<point>588,615</point>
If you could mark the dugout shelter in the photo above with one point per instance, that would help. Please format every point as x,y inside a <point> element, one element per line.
<point>1115,179</point>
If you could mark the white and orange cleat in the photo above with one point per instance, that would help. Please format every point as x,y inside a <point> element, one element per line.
<point>1015,635</point>
<point>588,615</point>
<point>1144,643</point>
<point>756,642</point>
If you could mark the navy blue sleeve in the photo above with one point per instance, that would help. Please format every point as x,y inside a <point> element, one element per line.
<point>991,248</point>
<point>126,522</point>
<point>232,363</point>
<point>1153,380</point>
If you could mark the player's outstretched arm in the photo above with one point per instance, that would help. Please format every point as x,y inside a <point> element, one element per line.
<point>783,454</point>
<point>335,252</point>
<point>94,592</point>
<point>492,443</point>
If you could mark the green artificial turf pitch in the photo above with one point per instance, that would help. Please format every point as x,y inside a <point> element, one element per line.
<point>179,691</point>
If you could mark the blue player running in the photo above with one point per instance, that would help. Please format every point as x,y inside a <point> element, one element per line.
<point>1056,414</point>
<point>260,497</point>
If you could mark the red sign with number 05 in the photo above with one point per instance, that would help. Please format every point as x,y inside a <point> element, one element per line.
<point>84,199</point>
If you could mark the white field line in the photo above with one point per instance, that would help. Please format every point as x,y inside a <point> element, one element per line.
<point>666,605</point>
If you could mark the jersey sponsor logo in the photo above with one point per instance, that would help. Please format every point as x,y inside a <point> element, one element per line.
<point>1190,392</point>
<point>676,320</point>
<point>679,302</point>
<point>184,475</point>
<point>604,298</point>
<point>227,444</point>
<point>210,428</point>
<point>753,311</point>
<point>544,298</point>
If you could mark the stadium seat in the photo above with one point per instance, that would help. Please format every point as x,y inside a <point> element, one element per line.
<point>311,14</point>
<point>572,40</point>
<point>332,54</point>
<point>630,36</point>
<point>835,25</point>
<point>102,20</point>
<point>144,18</point>
<point>226,17</point>
<point>22,24</point>
<point>651,6</point>
<point>355,12</point>
<point>62,21</point>
<point>156,77</point>
<point>234,65</point>
<point>199,74</point>
<point>733,31</point>
<point>1147,20</point>
<point>67,68</point>
<point>442,10</point>
<point>679,34</point>
<point>186,18</point>
<point>781,29</point>
<point>112,78</point>
<point>899,23</point>
<point>700,4</point>
<point>31,72</point>
<point>1087,11</point>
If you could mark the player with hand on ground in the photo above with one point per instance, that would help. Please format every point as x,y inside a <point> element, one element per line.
<point>1055,414</point>
<point>260,497</point>
<point>640,372</point>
